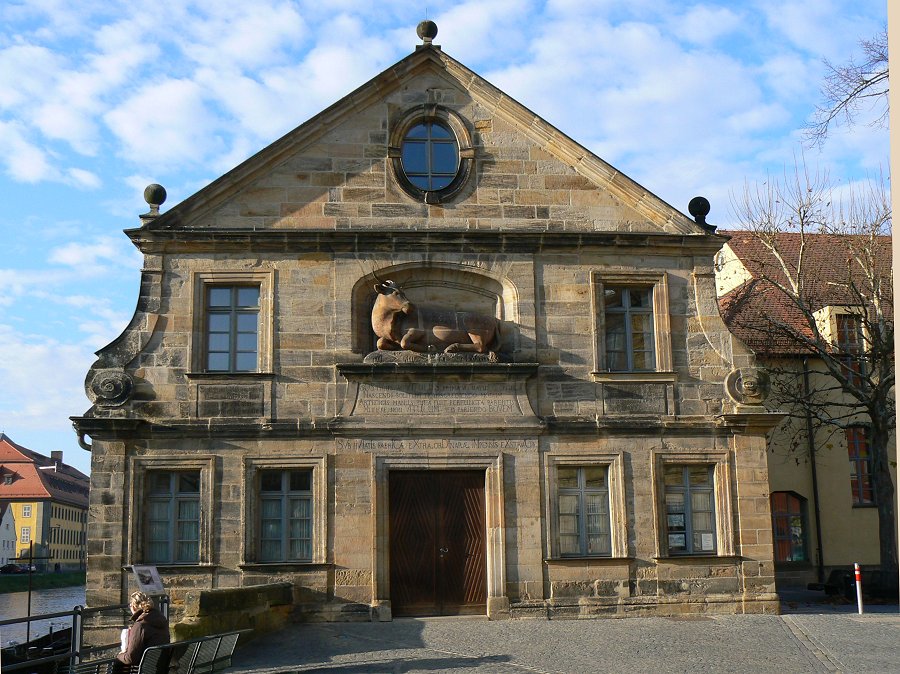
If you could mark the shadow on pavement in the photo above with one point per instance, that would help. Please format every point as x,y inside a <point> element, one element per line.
<point>799,600</point>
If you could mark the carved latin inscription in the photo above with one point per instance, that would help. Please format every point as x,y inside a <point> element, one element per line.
<point>436,398</point>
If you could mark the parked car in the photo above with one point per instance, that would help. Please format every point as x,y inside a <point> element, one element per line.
<point>13,568</point>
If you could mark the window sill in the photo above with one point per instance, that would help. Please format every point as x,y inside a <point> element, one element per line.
<point>284,566</point>
<point>698,558</point>
<point>581,559</point>
<point>179,567</point>
<point>636,377</point>
<point>229,375</point>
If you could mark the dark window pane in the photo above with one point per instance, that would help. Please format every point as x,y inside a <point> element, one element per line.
<point>421,182</point>
<point>248,297</point>
<point>245,362</point>
<point>270,481</point>
<point>440,182</point>
<point>612,298</point>
<point>440,131</point>
<point>443,158</point>
<point>567,477</point>
<point>219,322</point>
<point>246,341</point>
<point>217,362</point>
<point>414,158</point>
<point>640,298</point>
<point>220,297</point>
<point>247,322</point>
<point>595,477</point>
<point>218,341</point>
<point>189,482</point>
<point>418,131</point>
<point>300,480</point>
<point>160,483</point>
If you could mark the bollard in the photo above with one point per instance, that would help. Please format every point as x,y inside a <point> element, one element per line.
<point>859,602</point>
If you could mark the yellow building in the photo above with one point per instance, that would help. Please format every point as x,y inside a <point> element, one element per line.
<point>49,502</point>
<point>821,461</point>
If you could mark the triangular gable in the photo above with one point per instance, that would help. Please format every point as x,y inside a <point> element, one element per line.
<point>645,206</point>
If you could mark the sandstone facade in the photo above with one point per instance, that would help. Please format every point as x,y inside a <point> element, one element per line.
<point>534,233</point>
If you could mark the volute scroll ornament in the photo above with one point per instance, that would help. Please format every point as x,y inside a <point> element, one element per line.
<point>111,388</point>
<point>748,385</point>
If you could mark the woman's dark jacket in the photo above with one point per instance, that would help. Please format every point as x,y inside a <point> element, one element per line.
<point>150,628</point>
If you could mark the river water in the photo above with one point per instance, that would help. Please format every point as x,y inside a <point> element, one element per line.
<point>15,605</point>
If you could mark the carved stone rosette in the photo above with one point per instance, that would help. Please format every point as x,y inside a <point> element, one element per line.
<point>111,388</point>
<point>748,386</point>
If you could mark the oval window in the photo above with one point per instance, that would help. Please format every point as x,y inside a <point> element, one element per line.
<point>430,156</point>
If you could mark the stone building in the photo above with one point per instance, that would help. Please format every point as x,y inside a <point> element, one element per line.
<point>425,355</point>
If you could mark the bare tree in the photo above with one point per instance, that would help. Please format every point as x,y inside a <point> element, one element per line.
<point>812,249</point>
<point>853,88</point>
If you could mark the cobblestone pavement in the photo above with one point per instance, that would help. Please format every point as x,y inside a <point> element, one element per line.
<point>804,639</point>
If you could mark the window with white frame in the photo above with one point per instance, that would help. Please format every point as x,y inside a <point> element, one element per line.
<point>26,535</point>
<point>285,515</point>
<point>26,510</point>
<point>632,323</point>
<point>583,511</point>
<point>690,513</point>
<point>172,532</point>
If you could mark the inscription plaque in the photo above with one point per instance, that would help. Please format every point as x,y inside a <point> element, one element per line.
<point>436,398</point>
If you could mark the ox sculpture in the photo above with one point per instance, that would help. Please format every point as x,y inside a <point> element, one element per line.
<point>401,325</point>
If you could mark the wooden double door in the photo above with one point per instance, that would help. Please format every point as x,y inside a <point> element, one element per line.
<point>437,541</point>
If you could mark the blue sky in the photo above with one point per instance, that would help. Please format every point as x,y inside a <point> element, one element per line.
<point>98,98</point>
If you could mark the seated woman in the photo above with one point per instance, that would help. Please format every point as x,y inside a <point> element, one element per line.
<point>150,628</point>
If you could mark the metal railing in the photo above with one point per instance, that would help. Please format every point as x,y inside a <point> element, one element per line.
<point>78,651</point>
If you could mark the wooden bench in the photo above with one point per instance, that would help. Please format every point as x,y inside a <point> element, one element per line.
<point>205,655</point>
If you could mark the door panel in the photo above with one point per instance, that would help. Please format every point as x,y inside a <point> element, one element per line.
<point>437,542</point>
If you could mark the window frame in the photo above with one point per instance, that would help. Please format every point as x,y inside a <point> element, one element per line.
<point>852,351</point>
<point>424,114</point>
<point>173,498</point>
<point>615,473</point>
<point>721,462</point>
<point>804,526</point>
<point>285,497</point>
<point>201,283</point>
<point>657,282</point>
<point>253,466</point>
<point>857,463</point>
<point>688,490</point>
<point>140,467</point>
<point>25,535</point>
<point>26,510</point>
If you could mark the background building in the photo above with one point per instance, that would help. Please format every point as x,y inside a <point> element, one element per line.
<point>49,501</point>
<point>824,509</point>
<point>8,535</point>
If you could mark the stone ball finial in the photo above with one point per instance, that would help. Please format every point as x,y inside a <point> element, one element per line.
<point>155,195</point>
<point>699,208</point>
<point>427,31</point>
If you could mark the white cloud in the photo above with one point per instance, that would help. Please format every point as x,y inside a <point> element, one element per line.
<point>47,377</point>
<point>164,123</point>
<point>90,257</point>
<point>24,161</point>
<point>703,24</point>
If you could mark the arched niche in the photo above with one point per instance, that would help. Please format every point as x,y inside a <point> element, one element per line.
<point>458,286</point>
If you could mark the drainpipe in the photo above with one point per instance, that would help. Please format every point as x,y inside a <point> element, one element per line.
<point>820,565</point>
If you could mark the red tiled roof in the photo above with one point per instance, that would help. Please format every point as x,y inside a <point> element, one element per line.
<point>751,309</point>
<point>39,477</point>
